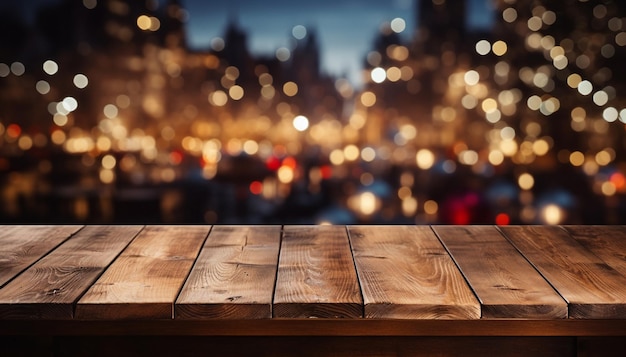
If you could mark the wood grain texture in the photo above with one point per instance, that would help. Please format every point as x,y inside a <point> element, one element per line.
<point>316,275</point>
<point>591,287</point>
<point>145,279</point>
<point>234,275</point>
<point>606,242</point>
<point>49,289</point>
<point>506,284</point>
<point>21,246</point>
<point>405,273</point>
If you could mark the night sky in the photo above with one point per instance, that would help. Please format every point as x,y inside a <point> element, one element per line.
<point>345,28</point>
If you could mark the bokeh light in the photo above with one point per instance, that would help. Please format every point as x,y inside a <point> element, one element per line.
<point>518,118</point>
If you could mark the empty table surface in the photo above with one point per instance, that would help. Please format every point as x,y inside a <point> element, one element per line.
<point>448,273</point>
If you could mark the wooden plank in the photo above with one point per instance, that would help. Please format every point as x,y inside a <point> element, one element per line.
<point>234,275</point>
<point>591,287</point>
<point>606,242</point>
<point>145,279</point>
<point>405,273</point>
<point>21,246</point>
<point>505,283</point>
<point>49,289</point>
<point>316,274</point>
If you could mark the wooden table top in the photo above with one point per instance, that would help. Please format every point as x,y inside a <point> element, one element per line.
<point>282,273</point>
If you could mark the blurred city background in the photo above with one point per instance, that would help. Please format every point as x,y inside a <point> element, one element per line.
<point>404,111</point>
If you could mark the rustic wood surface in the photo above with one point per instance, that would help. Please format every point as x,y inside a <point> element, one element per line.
<point>607,242</point>
<point>592,288</point>
<point>146,279</point>
<point>234,275</point>
<point>506,284</point>
<point>312,290</point>
<point>316,274</point>
<point>273,279</point>
<point>21,246</point>
<point>53,285</point>
<point>406,273</point>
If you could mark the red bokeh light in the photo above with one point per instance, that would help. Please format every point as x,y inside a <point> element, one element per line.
<point>272,163</point>
<point>14,130</point>
<point>327,172</point>
<point>176,157</point>
<point>290,162</point>
<point>618,180</point>
<point>256,187</point>
<point>503,219</point>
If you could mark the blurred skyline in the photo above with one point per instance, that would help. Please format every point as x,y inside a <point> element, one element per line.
<point>345,28</point>
<point>111,112</point>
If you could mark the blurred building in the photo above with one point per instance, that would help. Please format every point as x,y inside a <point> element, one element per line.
<point>495,120</point>
<point>107,116</point>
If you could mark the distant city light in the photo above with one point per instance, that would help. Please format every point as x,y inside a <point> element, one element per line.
<point>368,99</point>
<point>109,162</point>
<point>283,54</point>
<point>50,67</point>
<point>148,23</point>
<point>526,181</point>
<point>432,126</point>
<point>368,154</point>
<point>236,92</point>
<point>585,87</point>
<point>110,111</point>
<point>217,44</point>
<point>366,203</point>
<point>431,207</point>
<point>425,159</point>
<point>552,214</point>
<point>42,87</point>
<point>610,114</point>
<point>70,104</point>
<point>90,4</point>
<point>218,98</point>
<point>80,81</point>
<point>471,77</point>
<point>18,68</point>
<point>398,25</point>
<point>5,70</point>
<point>299,32</point>
<point>351,152</point>
<point>285,174</point>
<point>290,89</point>
<point>394,74</point>
<point>499,48</point>
<point>483,47</point>
<point>301,123</point>
<point>378,75</point>
<point>509,15</point>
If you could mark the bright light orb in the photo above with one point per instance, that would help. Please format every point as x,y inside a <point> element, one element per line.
<point>299,32</point>
<point>50,67</point>
<point>80,81</point>
<point>398,25</point>
<point>301,123</point>
<point>483,47</point>
<point>378,75</point>
<point>552,214</point>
